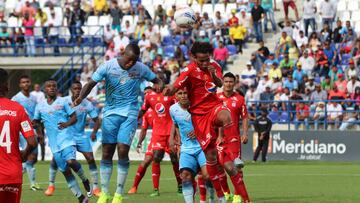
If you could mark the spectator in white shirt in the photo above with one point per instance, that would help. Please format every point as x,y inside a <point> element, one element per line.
<point>319,115</point>
<point>143,43</point>
<point>309,14</point>
<point>327,12</point>
<point>38,94</point>
<point>85,74</point>
<point>251,96</point>
<point>121,41</point>
<point>334,113</point>
<point>54,23</point>
<point>263,83</point>
<point>152,33</point>
<point>108,35</point>
<point>301,39</point>
<point>220,22</point>
<point>352,84</point>
<point>248,75</point>
<point>207,24</point>
<point>128,29</point>
<point>307,62</point>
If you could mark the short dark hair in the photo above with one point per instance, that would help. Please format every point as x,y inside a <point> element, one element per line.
<point>50,80</point>
<point>76,82</point>
<point>3,77</point>
<point>148,88</point>
<point>230,75</point>
<point>24,77</point>
<point>201,47</point>
<point>133,48</point>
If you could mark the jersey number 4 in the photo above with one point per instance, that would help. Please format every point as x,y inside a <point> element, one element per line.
<point>5,137</point>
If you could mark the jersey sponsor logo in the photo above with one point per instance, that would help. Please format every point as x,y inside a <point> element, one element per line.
<point>7,113</point>
<point>25,125</point>
<point>210,87</point>
<point>160,108</point>
<point>58,107</point>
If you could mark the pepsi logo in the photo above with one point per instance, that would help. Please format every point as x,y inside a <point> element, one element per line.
<point>160,108</point>
<point>210,87</point>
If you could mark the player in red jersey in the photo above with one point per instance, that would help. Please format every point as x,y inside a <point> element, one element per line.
<point>201,78</point>
<point>162,124</point>
<point>229,151</point>
<point>13,119</point>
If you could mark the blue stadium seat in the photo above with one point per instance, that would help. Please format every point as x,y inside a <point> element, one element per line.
<point>284,117</point>
<point>169,51</point>
<point>274,116</point>
<point>96,41</point>
<point>167,41</point>
<point>85,41</point>
<point>185,51</point>
<point>63,43</point>
<point>177,39</point>
<point>232,49</point>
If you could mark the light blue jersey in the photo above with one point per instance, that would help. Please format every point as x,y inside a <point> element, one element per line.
<point>59,111</point>
<point>122,87</point>
<point>182,118</point>
<point>29,103</point>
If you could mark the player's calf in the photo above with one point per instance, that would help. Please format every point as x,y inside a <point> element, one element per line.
<point>76,166</point>
<point>187,185</point>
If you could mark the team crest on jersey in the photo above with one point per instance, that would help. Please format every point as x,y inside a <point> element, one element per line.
<point>234,104</point>
<point>165,98</point>
<point>210,87</point>
<point>159,108</point>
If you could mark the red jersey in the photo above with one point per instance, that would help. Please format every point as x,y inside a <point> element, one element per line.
<point>147,119</point>
<point>162,122</point>
<point>13,119</point>
<point>200,86</point>
<point>236,104</point>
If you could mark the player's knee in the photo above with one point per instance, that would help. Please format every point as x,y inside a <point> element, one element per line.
<point>186,176</point>
<point>211,155</point>
<point>230,169</point>
<point>158,158</point>
<point>223,118</point>
<point>173,159</point>
<point>123,151</point>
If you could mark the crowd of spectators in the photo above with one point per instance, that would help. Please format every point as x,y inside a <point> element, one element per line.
<point>311,78</point>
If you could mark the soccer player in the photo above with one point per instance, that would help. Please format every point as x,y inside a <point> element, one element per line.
<point>13,119</point>
<point>123,76</point>
<point>57,116</point>
<point>162,124</point>
<point>28,101</point>
<point>201,78</point>
<point>229,151</point>
<point>191,155</point>
<point>82,141</point>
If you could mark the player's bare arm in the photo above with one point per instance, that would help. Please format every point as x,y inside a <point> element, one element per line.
<point>39,130</point>
<point>85,92</point>
<point>169,90</point>
<point>95,129</point>
<point>191,135</point>
<point>31,145</point>
<point>245,128</point>
<point>220,138</point>
<point>174,128</point>
<point>142,136</point>
<point>217,81</point>
<point>71,121</point>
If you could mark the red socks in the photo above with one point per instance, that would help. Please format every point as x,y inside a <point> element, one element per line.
<point>156,174</point>
<point>223,181</point>
<point>139,175</point>
<point>212,168</point>
<point>239,186</point>
<point>177,173</point>
<point>202,188</point>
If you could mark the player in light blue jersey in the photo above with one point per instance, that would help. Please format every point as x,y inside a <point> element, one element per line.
<point>82,141</point>
<point>192,158</point>
<point>29,103</point>
<point>123,77</point>
<point>57,116</point>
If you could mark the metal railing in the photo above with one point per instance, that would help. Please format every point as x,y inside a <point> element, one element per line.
<point>44,44</point>
<point>284,112</point>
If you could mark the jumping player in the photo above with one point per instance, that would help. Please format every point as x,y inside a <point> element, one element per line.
<point>191,155</point>
<point>82,141</point>
<point>28,101</point>
<point>201,78</point>
<point>13,120</point>
<point>123,77</point>
<point>229,151</point>
<point>162,124</point>
<point>57,116</point>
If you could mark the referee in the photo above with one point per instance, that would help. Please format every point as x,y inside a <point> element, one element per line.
<point>262,126</point>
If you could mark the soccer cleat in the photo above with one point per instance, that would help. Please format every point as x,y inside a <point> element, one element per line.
<point>117,198</point>
<point>239,163</point>
<point>236,199</point>
<point>103,198</point>
<point>96,192</point>
<point>35,187</point>
<point>228,196</point>
<point>132,190</point>
<point>179,191</point>
<point>88,188</point>
<point>50,190</point>
<point>156,193</point>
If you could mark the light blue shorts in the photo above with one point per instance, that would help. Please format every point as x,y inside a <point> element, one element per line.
<point>83,144</point>
<point>192,162</point>
<point>64,155</point>
<point>118,129</point>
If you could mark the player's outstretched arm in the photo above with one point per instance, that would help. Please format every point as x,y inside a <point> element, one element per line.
<point>38,128</point>
<point>174,130</point>
<point>245,128</point>
<point>217,80</point>
<point>169,90</point>
<point>142,136</point>
<point>95,129</point>
<point>85,92</point>
<point>31,145</point>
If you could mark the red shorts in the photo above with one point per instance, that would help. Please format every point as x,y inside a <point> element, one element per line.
<point>228,152</point>
<point>10,193</point>
<point>149,151</point>
<point>204,127</point>
<point>286,6</point>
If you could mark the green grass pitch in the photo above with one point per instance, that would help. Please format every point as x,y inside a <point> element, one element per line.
<point>275,182</point>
